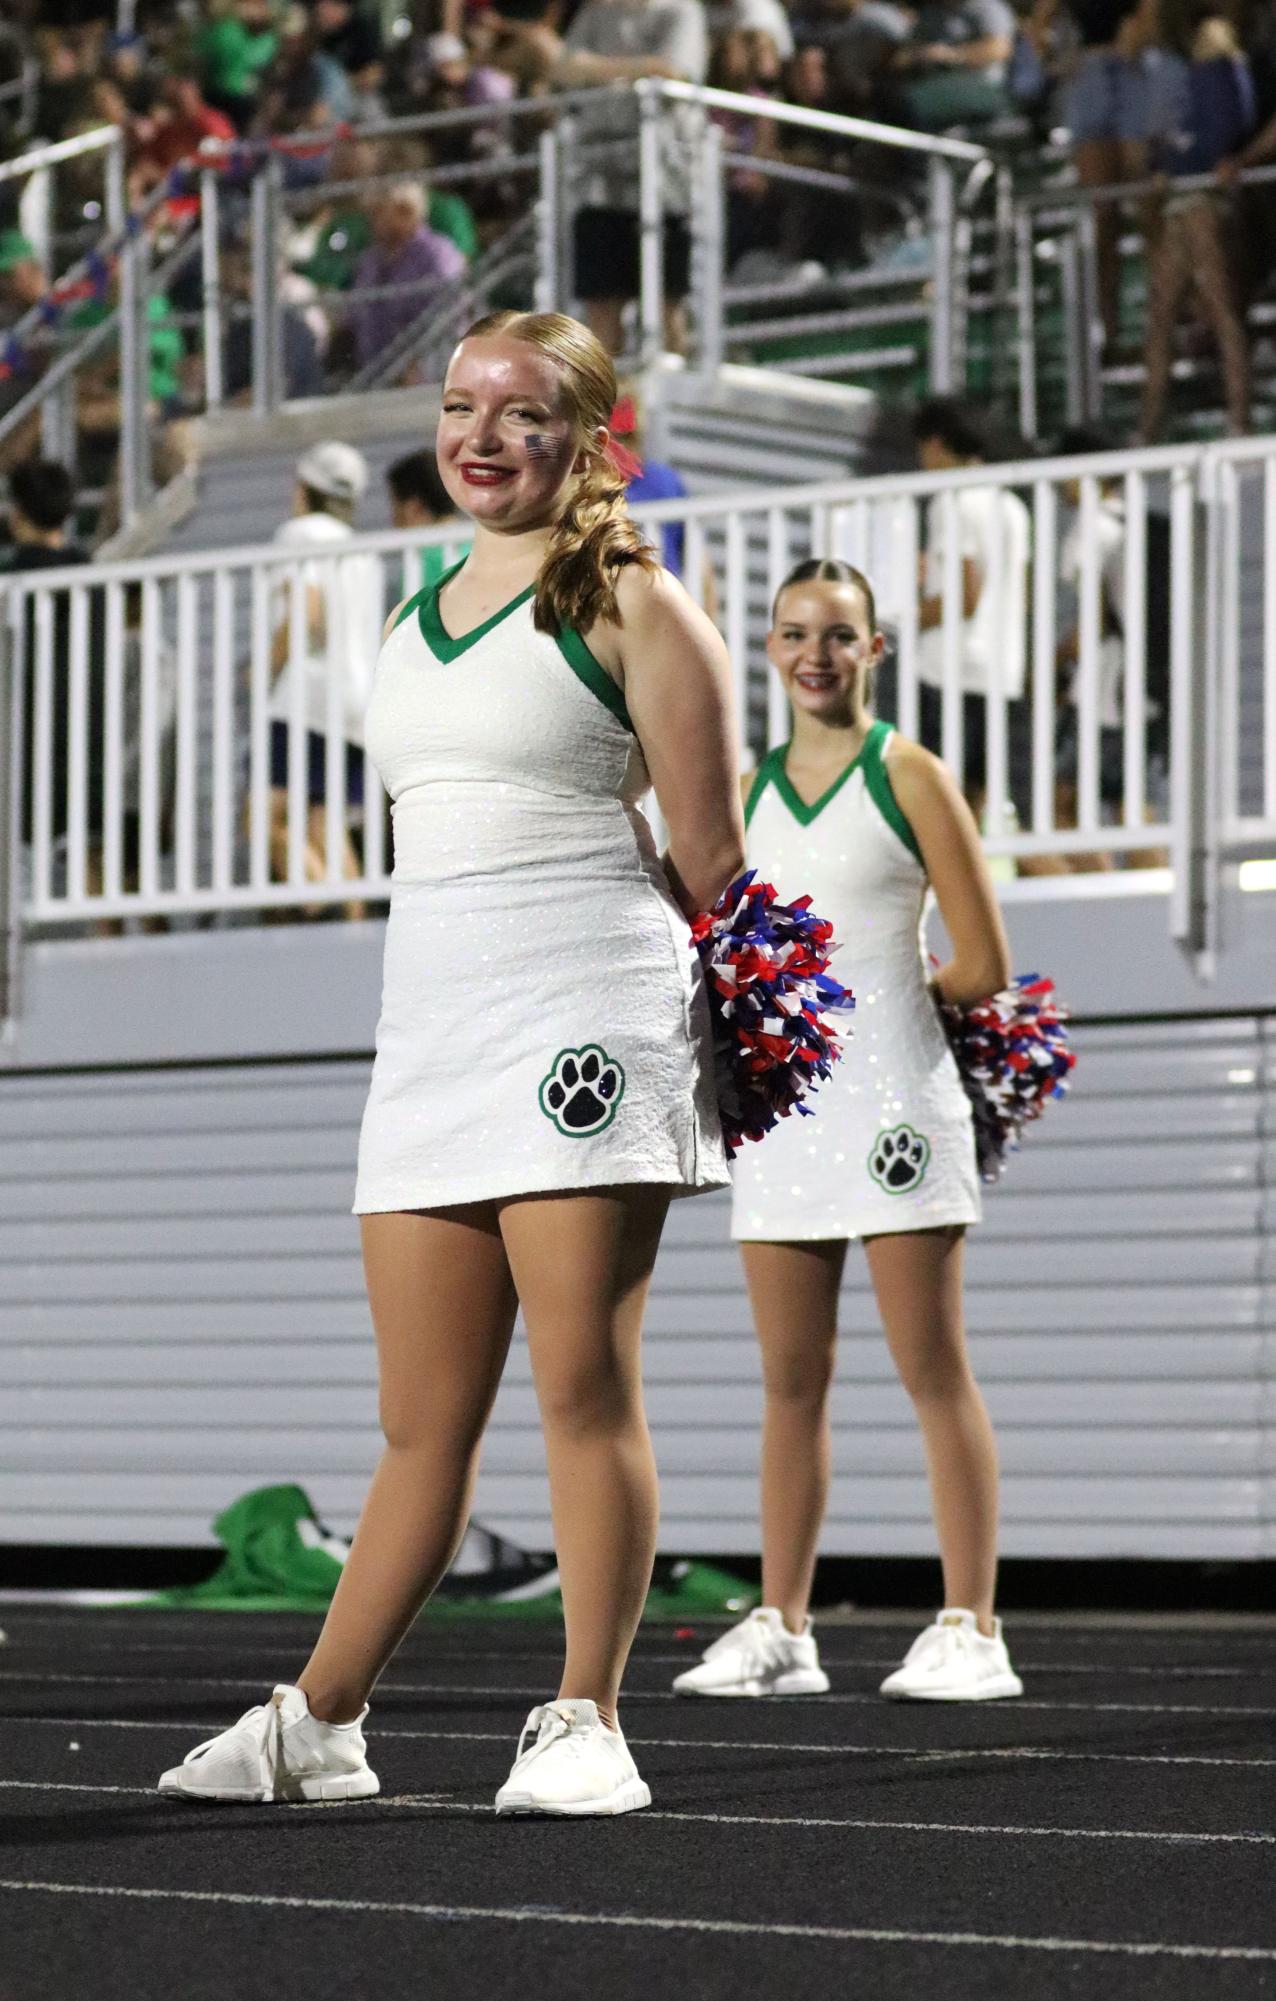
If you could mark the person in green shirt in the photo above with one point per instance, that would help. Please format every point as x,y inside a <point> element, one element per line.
<point>234,50</point>
<point>166,347</point>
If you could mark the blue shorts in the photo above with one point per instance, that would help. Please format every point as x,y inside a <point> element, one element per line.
<point>1122,97</point>
<point>316,766</point>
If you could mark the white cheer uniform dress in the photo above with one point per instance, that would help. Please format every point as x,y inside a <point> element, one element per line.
<point>891,1145</point>
<point>543,1019</point>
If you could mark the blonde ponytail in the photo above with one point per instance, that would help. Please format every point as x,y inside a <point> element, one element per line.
<point>595,537</point>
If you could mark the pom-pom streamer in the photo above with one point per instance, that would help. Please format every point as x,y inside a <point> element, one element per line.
<point>1013,1054</point>
<point>766,967</point>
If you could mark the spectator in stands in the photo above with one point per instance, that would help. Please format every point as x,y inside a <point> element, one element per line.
<point>953,71</point>
<point>1117,103</point>
<point>351,37</point>
<point>328,245</point>
<point>741,60</point>
<point>861,47</point>
<point>1196,250</point>
<point>991,527</point>
<point>302,358</point>
<point>621,41</point>
<point>341,616</point>
<point>419,499</point>
<point>769,17</point>
<point>23,279</point>
<point>41,500</point>
<point>235,50</point>
<point>404,251</point>
<point>660,481</point>
<point>180,125</point>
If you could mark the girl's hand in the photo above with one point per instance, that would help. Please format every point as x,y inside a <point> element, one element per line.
<point>673,667</point>
<point>953,856</point>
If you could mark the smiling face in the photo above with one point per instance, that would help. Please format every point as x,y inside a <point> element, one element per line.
<point>823,647</point>
<point>507,445</point>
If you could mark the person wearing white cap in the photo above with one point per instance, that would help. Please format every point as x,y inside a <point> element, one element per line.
<point>323,676</point>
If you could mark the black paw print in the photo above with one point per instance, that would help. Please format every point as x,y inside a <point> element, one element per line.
<point>898,1159</point>
<point>582,1091</point>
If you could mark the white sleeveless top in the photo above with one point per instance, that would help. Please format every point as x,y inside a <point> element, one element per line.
<point>890,1146</point>
<point>543,1020</point>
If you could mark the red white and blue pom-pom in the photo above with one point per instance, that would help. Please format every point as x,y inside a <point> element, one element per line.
<point>1013,1055</point>
<point>766,968</point>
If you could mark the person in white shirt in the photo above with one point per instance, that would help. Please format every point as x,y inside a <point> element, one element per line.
<point>340,627</point>
<point>993,537</point>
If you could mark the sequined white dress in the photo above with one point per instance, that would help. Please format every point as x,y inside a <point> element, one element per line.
<point>543,1019</point>
<point>891,1145</point>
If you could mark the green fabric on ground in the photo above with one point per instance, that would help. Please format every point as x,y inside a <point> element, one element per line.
<point>280,1558</point>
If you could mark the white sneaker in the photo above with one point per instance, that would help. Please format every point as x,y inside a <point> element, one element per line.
<point>278,1751</point>
<point>952,1661</point>
<point>574,1765</point>
<point>760,1656</point>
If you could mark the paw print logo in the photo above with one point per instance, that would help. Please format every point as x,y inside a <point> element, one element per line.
<point>898,1160</point>
<point>582,1091</point>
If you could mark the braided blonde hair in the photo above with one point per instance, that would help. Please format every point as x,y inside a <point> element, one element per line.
<point>594,537</point>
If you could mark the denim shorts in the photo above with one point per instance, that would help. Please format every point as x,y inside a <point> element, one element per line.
<point>1121,97</point>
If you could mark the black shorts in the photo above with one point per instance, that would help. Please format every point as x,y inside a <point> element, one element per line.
<point>974,725</point>
<point>607,254</point>
<point>316,766</point>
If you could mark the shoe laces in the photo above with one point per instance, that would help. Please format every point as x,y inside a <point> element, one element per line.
<point>550,1725</point>
<point>264,1726</point>
<point>754,1639</point>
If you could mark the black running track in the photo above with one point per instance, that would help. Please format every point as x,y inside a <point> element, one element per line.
<point>1113,1834</point>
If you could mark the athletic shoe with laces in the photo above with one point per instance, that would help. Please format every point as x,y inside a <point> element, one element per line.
<point>952,1661</point>
<point>573,1765</point>
<point>278,1751</point>
<point>760,1656</point>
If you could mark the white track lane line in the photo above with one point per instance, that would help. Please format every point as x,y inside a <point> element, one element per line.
<point>689,1744</point>
<point>1117,1669</point>
<point>440,1804</point>
<point>634,1921</point>
<point>537,1693</point>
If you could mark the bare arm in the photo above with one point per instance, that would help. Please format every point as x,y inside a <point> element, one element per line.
<point>946,833</point>
<point>931,611</point>
<point>316,626</point>
<point>677,682</point>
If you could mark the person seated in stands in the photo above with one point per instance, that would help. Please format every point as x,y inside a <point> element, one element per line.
<point>1196,250</point>
<point>179,126</point>
<point>992,531</point>
<point>235,50</point>
<point>351,36</point>
<point>327,243</point>
<point>419,499</point>
<point>340,618</point>
<point>404,251</point>
<point>861,47</point>
<point>745,61</point>
<point>302,346</point>
<point>954,69</point>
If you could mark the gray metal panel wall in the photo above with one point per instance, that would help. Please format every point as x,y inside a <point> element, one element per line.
<point>182,1318</point>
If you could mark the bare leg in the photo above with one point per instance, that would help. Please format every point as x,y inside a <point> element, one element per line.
<point>794,1290</point>
<point>443,1306</point>
<point>1099,163</point>
<point>605,318</point>
<point>1169,275</point>
<point>1211,255</point>
<point>917,1276</point>
<point>317,846</point>
<point>582,1264</point>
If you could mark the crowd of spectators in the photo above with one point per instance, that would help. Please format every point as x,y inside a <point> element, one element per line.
<point>1130,88</point>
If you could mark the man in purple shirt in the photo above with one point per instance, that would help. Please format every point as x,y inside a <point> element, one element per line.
<point>403,251</point>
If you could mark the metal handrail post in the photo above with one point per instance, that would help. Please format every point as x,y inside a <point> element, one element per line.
<point>651,304</point>
<point>1194,667</point>
<point>1088,315</point>
<point>267,321</point>
<point>568,128</point>
<point>11,709</point>
<point>1026,311</point>
<point>943,215</point>
<point>210,272</point>
<point>1074,342</point>
<point>132,336</point>
<point>116,189</point>
<point>710,245</point>
<point>546,293</point>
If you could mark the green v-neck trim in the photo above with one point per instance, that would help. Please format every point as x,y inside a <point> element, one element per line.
<point>593,674</point>
<point>773,771</point>
<point>871,760</point>
<point>882,792</point>
<point>435,633</point>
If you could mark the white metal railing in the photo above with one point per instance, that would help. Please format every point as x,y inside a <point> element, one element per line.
<point>140,695</point>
